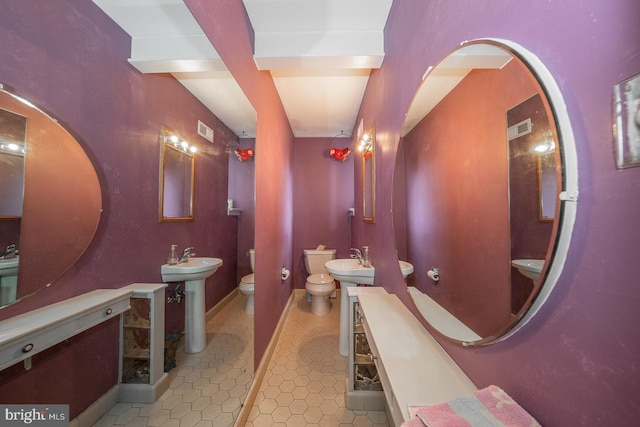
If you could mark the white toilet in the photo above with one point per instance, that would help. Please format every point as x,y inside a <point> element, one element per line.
<point>247,284</point>
<point>319,284</point>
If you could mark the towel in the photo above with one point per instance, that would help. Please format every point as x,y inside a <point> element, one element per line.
<point>490,406</point>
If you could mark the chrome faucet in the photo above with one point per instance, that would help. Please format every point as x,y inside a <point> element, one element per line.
<point>186,254</point>
<point>357,254</point>
<point>363,260</point>
<point>10,252</point>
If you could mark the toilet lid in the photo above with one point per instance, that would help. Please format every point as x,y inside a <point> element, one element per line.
<point>320,279</point>
<point>248,279</point>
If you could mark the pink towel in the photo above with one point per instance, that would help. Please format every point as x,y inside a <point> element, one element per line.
<point>490,406</point>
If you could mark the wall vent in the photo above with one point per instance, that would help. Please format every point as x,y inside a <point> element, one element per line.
<point>205,131</point>
<point>519,129</point>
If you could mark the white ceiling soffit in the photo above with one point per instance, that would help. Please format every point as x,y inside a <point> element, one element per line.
<point>165,38</point>
<point>442,79</point>
<point>319,52</point>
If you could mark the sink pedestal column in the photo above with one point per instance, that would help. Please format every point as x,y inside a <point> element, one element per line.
<point>344,318</point>
<point>195,339</point>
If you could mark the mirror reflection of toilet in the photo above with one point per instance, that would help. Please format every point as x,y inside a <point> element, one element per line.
<point>247,284</point>
<point>320,285</point>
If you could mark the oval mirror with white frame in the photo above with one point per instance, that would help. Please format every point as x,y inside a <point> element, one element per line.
<point>485,191</point>
<point>50,176</point>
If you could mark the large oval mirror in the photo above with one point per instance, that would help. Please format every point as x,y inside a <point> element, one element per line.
<point>59,207</point>
<point>485,191</point>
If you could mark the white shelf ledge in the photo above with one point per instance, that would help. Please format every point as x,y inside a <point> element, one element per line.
<point>27,334</point>
<point>412,366</point>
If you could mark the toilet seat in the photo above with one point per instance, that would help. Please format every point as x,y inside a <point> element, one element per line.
<point>320,285</point>
<point>247,283</point>
<point>320,279</point>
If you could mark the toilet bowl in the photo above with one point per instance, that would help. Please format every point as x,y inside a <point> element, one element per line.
<point>320,285</point>
<point>247,285</point>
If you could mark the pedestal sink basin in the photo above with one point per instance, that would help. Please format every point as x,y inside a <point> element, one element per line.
<point>350,273</point>
<point>530,268</point>
<point>9,267</point>
<point>8,280</point>
<point>406,268</point>
<point>193,273</point>
<point>349,270</point>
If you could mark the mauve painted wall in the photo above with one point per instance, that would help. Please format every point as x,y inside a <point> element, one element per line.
<point>323,194</point>
<point>71,59</point>
<point>242,187</point>
<point>576,362</point>
<point>226,24</point>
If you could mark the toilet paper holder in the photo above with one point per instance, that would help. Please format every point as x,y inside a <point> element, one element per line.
<point>285,273</point>
<point>434,274</point>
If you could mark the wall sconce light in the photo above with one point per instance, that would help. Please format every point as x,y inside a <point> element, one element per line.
<point>365,145</point>
<point>178,143</point>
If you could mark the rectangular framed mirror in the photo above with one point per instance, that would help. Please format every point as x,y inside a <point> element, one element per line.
<point>547,187</point>
<point>367,148</point>
<point>177,167</point>
<point>13,137</point>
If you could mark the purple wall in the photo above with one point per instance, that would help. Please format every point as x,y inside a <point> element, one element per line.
<point>242,187</point>
<point>70,59</point>
<point>323,193</point>
<point>576,362</point>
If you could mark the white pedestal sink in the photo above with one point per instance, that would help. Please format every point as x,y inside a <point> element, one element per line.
<point>530,268</point>
<point>193,273</point>
<point>8,280</point>
<point>350,273</point>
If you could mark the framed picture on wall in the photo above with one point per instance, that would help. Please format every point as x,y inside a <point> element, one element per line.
<point>626,122</point>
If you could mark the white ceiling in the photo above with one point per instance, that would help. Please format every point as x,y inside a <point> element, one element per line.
<point>319,53</point>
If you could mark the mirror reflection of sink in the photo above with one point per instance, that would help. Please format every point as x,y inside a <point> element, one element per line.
<point>9,280</point>
<point>9,267</point>
<point>530,268</point>
<point>406,268</point>
<point>349,270</point>
<point>193,273</point>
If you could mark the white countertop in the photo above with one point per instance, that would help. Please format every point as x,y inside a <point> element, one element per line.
<point>419,371</point>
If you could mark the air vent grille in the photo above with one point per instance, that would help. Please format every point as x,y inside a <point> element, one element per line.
<point>205,131</point>
<point>519,129</point>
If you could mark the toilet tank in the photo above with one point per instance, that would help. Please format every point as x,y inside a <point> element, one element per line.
<point>314,260</point>
<point>252,259</point>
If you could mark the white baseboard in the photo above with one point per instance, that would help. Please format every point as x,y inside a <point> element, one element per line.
<point>243,416</point>
<point>93,413</point>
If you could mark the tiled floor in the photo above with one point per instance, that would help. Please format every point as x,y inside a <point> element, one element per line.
<point>206,389</point>
<point>303,386</point>
<point>305,380</point>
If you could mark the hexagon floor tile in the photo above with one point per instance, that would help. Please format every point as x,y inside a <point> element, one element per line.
<point>303,386</point>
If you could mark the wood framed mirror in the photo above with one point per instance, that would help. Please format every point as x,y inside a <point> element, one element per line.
<point>367,148</point>
<point>177,172</point>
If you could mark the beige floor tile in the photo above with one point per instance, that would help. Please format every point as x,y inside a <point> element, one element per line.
<point>303,386</point>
